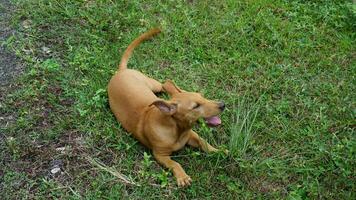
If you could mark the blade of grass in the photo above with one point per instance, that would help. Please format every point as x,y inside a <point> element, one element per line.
<point>123,178</point>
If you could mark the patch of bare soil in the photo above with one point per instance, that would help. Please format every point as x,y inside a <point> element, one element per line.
<point>10,65</point>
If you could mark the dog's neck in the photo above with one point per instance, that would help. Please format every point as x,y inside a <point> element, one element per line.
<point>182,125</point>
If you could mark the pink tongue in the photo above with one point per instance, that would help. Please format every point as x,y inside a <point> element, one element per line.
<point>213,121</point>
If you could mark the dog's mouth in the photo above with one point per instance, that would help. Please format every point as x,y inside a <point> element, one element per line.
<point>213,121</point>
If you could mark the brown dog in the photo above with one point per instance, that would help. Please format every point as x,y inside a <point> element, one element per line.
<point>163,126</point>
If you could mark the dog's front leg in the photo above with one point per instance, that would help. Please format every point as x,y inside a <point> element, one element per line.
<point>182,178</point>
<point>196,141</point>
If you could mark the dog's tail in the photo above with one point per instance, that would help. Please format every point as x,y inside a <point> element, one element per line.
<point>134,44</point>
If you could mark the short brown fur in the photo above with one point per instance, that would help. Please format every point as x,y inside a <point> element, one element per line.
<point>163,126</point>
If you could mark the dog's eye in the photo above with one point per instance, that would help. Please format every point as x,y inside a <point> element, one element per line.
<point>196,106</point>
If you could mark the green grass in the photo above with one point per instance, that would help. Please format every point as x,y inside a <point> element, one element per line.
<point>285,69</point>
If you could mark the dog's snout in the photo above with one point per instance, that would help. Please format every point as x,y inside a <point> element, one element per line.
<point>221,105</point>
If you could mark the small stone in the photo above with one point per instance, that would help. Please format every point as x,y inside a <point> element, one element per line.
<point>61,149</point>
<point>46,50</point>
<point>55,170</point>
<point>27,51</point>
<point>27,24</point>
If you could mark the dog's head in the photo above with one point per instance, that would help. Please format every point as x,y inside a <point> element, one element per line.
<point>188,107</point>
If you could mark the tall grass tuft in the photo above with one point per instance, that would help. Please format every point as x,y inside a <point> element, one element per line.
<point>242,127</point>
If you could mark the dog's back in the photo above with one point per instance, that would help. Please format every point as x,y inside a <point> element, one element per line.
<point>131,91</point>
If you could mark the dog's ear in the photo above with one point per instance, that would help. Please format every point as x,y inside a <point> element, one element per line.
<point>171,88</point>
<point>165,107</point>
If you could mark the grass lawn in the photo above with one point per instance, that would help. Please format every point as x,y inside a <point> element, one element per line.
<point>285,69</point>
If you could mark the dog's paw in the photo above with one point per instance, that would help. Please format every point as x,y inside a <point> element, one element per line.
<point>227,152</point>
<point>219,151</point>
<point>184,181</point>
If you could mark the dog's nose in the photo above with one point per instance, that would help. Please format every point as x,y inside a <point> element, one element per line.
<point>221,106</point>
